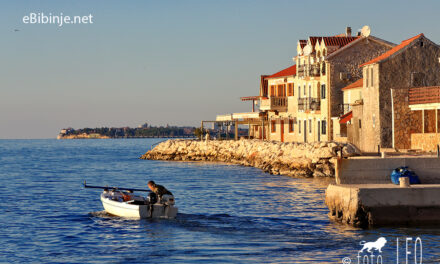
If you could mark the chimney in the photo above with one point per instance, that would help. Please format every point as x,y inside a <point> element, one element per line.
<point>348,32</point>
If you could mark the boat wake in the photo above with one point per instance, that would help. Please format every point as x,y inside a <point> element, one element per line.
<point>102,214</point>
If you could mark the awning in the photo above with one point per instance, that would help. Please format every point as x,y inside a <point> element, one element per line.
<point>346,117</point>
<point>252,98</point>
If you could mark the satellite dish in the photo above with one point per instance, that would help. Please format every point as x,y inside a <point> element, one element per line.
<point>307,50</point>
<point>365,31</point>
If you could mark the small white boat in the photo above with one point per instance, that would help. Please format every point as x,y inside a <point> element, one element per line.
<point>122,202</point>
<point>138,206</point>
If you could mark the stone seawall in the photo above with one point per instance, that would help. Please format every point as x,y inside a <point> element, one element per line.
<point>374,205</point>
<point>292,159</point>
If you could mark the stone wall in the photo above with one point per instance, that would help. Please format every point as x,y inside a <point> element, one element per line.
<point>375,170</point>
<point>293,159</point>
<point>425,141</point>
<point>406,121</point>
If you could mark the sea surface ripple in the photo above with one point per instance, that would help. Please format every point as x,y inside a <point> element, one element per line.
<point>227,213</point>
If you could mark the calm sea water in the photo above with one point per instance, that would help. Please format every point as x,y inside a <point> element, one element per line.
<point>227,214</point>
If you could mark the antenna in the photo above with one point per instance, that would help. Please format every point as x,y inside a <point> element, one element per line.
<point>365,31</point>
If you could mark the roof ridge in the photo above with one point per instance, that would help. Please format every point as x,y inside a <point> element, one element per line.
<point>417,36</point>
<point>393,50</point>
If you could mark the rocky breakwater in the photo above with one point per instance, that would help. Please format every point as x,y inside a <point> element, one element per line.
<point>293,159</point>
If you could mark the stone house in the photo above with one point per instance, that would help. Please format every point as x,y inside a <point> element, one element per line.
<point>385,117</point>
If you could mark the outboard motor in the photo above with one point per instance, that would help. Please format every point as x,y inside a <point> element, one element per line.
<point>167,199</point>
<point>152,198</point>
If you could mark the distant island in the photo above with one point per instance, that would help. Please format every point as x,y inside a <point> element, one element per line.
<point>142,131</point>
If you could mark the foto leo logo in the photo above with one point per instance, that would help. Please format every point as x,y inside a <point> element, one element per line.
<point>371,252</point>
<point>377,245</point>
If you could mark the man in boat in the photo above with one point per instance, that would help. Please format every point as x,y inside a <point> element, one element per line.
<point>158,189</point>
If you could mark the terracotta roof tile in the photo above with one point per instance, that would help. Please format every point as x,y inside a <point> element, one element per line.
<point>339,41</point>
<point>392,51</point>
<point>286,72</point>
<point>357,84</point>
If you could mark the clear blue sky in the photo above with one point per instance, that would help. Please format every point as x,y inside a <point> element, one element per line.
<point>160,62</point>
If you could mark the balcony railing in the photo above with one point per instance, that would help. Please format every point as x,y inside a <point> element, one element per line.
<point>301,70</point>
<point>274,103</point>
<point>309,103</point>
<point>344,108</point>
<point>315,70</point>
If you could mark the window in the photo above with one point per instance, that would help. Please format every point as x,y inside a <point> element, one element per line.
<point>290,89</point>
<point>324,127</point>
<point>273,127</point>
<point>310,90</point>
<point>304,90</point>
<point>323,91</point>
<point>265,91</point>
<point>371,77</point>
<point>272,90</point>
<point>291,126</point>
<point>299,126</point>
<point>281,89</point>
<point>299,91</point>
<point>310,126</point>
<point>418,79</point>
<point>360,124</point>
<point>366,77</point>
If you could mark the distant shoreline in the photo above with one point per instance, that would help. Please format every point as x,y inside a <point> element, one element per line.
<point>106,137</point>
<point>142,131</point>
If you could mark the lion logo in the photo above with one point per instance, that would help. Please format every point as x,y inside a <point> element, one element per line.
<point>377,245</point>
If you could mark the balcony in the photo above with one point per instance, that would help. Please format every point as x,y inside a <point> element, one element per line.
<point>274,103</point>
<point>315,70</point>
<point>344,108</point>
<point>309,103</point>
<point>301,70</point>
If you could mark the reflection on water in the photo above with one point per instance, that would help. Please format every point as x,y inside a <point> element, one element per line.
<point>227,213</point>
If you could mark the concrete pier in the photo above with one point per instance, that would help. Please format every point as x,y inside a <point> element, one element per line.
<point>364,196</point>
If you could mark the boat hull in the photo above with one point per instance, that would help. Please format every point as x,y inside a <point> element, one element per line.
<point>135,211</point>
